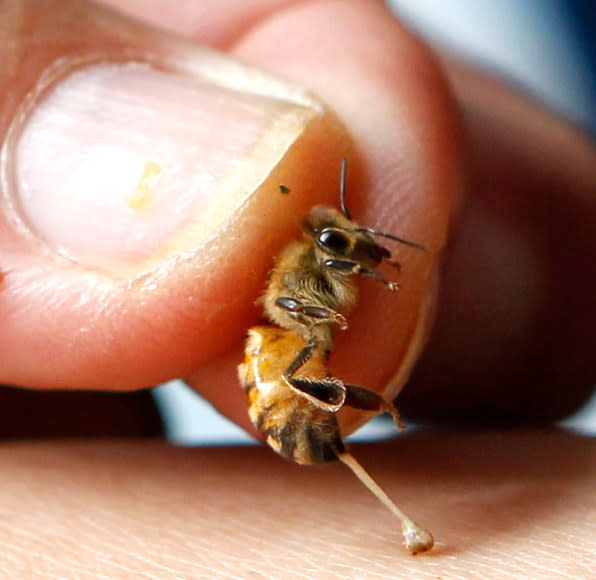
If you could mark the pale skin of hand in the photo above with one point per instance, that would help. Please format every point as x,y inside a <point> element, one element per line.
<point>507,142</point>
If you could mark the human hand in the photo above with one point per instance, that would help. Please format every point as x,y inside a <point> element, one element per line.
<point>516,272</point>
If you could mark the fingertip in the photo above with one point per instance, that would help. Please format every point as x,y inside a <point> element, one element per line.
<point>390,93</point>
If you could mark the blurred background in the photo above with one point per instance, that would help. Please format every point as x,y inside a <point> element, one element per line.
<point>547,47</point>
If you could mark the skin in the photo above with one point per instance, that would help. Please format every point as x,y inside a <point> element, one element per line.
<point>499,168</point>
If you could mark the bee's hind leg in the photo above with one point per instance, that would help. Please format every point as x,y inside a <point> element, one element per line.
<point>327,393</point>
<point>367,400</point>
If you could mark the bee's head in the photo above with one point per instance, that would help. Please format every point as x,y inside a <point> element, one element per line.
<point>338,237</point>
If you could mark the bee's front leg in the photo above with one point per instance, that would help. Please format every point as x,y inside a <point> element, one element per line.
<point>355,268</point>
<point>311,314</point>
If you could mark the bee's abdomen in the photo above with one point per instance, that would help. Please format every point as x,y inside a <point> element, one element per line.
<point>295,428</point>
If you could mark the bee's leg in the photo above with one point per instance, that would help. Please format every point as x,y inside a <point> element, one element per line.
<point>356,268</point>
<point>367,400</point>
<point>319,314</point>
<point>327,393</point>
<point>301,358</point>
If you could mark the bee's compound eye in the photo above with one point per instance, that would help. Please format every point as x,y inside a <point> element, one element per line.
<point>333,240</point>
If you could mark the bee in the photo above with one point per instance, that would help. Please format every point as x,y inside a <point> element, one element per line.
<point>292,399</point>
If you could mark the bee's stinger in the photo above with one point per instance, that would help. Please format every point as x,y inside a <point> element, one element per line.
<point>416,539</point>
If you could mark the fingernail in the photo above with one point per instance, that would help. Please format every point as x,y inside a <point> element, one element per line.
<point>118,161</point>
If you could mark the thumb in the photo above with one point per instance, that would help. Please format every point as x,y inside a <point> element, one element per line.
<point>140,195</point>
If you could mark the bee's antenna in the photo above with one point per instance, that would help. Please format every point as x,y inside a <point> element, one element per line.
<point>392,237</point>
<point>346,212</point>
<point>416,539</point>
<point>342,188</point>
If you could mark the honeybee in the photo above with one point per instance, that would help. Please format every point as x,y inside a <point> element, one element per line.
<point>292,399</point>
